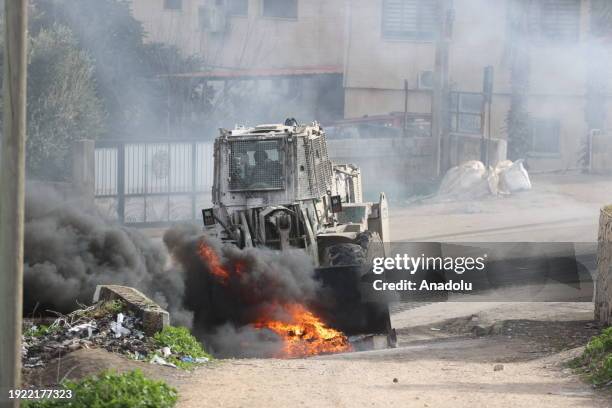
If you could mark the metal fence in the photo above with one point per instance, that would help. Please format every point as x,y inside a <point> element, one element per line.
<point>150,183</point>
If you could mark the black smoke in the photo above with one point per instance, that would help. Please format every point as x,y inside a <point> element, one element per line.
<point>260,282</point>
<point>69,249</point>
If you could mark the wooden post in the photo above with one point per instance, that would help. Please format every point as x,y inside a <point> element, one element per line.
<point>603,286</point>
<point>12,179</point>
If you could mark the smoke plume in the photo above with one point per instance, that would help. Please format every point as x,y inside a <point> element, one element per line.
<point>254,283</point>
<point>69,249</point>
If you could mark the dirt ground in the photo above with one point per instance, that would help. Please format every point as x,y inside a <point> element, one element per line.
<point>519,365</point>
<point>561,208</point>
<point>519,361</point>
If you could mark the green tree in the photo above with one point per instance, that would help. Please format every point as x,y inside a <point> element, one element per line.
<point>131,74</point>
<point>63,105</point>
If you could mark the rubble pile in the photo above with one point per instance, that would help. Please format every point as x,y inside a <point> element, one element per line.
<point>106,325</point>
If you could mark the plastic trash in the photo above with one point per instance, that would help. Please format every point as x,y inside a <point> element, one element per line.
<point>117,327</point>
<point>89,327</point>
<point>166,352</point>
<point>160,361</point>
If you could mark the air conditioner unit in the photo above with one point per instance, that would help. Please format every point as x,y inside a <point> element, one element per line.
<point>425,80</point>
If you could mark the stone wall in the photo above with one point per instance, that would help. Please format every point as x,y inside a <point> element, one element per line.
<point>603,289</point>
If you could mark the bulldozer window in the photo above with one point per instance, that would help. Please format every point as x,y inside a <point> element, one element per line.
<point>255,165</point>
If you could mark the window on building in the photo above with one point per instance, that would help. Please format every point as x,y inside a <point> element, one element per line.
<point>545,136</point>
<point>238,7</point>
<point>409,19</point>
<point>425,80</point>
<point>203,18</point>
<point>555,20</point>
<point>280,8</point>
<point>601,17</point>
<point>173,4</point>
<point>466,112</point>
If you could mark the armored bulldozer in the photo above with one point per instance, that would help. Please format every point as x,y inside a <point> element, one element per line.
<point>275,187</point>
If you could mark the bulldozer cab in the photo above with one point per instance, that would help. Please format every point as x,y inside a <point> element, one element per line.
<point>256,165</point>
<point>271,165</point>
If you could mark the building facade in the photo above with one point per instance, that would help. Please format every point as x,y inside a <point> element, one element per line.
<point>384,51</point>
<point>393,41</point>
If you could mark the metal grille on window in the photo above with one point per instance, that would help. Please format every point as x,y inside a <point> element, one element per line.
<point>238,7</point>
<point>255,165</point>
<point>409,19</point>
<point>466,112</point>
<point>173,4</point>
<point>555,19</point>
<point>280,8</point>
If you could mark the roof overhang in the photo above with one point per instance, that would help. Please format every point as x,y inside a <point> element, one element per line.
<point>220,74</point>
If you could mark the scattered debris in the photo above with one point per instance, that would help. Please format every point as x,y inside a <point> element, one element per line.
<point>158,360</point>
<point>153,317</point>
<point>498,367</point>
<point>108,325</point>
<point>395,380</point>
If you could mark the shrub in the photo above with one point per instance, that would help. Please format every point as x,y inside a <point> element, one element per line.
<point>112,390</point>
<point>596,360</point>
<point>181,343</point>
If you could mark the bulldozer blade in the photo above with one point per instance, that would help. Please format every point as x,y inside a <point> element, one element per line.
<point>346,303</point>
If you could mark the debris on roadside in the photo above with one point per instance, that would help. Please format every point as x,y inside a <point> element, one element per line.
<point>107,325</point>
<point>101,325</point>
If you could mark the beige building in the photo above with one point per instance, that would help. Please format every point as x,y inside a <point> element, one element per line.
<point>249,33</point>
<point>280,58</point>
<point>390,41</point>
<point>375,46</point>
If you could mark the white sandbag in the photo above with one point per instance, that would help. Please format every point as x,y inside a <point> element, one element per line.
<point>462,178</point>
<point>503,166</point>
<point>514,178</point>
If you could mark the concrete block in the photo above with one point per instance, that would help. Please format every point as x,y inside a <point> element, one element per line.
<point>154,318</point>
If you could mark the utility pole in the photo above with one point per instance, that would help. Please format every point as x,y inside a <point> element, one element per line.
<point>439,102</point>
<point>12,181</point>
